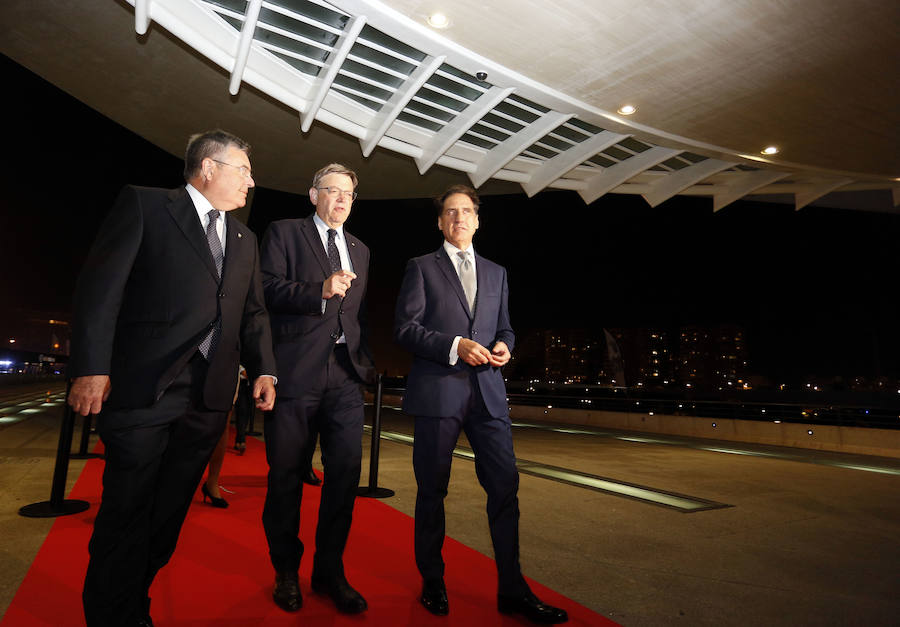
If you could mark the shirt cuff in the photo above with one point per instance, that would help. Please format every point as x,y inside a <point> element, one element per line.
<point>454,348</point>
<point>271,376</point>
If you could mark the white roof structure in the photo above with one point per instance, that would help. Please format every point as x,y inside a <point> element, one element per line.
<point>526,92</point>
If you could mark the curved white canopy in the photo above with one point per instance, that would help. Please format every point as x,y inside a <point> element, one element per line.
<point>516,91</point>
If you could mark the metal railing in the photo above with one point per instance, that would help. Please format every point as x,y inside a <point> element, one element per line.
<point>871,410</point>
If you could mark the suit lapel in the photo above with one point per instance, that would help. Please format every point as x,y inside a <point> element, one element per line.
<point>480,278</point>
<point>233,241</point>
<point>311,233</point>
<point>356,257</point>
<point>446,265</point>
<point>182,210</point>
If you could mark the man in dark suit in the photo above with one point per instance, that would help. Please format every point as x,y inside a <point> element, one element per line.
<point>452,316</point>
<point>168,303</point>
<point>314,277</point>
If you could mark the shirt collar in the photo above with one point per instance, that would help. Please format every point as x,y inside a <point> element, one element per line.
<point>323,228</point>
<point>452,250</point>
<point>201,204</point>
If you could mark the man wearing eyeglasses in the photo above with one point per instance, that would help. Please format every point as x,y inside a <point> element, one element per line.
<point>168,303</point>
<point>314,277</point>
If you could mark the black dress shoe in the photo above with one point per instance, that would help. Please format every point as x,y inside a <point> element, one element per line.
<point>311,478</point>
<point>434,597</point>
<point>287,592</point>
<point>347,600</point>
<point>215,501</point>
<point>531,608</point>
<point>146,621</point>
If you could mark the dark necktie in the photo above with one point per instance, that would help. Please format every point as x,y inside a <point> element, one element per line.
<point>334,257</point>
<point>215,247</point>
<point>467,278</point>
<point>215,244</point>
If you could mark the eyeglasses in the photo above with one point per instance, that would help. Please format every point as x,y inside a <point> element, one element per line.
<point>244,170</point>
<point>334,192</point>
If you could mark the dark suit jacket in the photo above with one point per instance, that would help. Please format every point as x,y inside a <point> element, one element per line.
<point>431,311</point>
<point>148,294</point>
<point>294,267</point>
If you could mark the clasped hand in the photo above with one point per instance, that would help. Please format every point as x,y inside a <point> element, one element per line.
<point>475,354</point>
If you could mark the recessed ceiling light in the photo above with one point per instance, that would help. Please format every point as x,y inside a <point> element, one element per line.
<point>770,150</point>
<point>627,109</point>
<point>438,20</point>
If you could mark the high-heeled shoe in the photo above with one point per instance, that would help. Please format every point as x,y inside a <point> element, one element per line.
<point>240,447</point>
<point>215,501</point>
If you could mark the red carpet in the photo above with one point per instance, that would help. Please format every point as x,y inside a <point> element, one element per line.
<point>220,574</point>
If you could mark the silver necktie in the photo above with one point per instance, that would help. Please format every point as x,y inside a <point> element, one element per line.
<point>467,278</point>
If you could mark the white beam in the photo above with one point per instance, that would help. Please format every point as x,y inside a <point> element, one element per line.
<point>457,127</point>
<point>512,146</point>
<point>395,105</point>
<point>554,168</point>
<point>615,175</point>
<point>679,180</point>
<point>329,71</point>
<point>744,184</point>
<point>243,49</point>
<point>816,191</point>
<point>141,16</point>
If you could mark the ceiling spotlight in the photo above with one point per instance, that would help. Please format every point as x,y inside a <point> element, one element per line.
<point>627,109</point>
<point>770,150</point>
<point>438,20</point>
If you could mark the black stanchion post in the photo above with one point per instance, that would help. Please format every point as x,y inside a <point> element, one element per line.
<point>372,490</point>
<point>85,441</point>
<point>58,505</point>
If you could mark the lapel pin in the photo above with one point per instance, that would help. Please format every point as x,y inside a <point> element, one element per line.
<point>240,235</point>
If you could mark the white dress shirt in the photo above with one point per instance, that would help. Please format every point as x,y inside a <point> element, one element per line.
<point>203,207</point>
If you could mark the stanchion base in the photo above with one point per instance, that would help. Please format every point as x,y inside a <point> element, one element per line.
<point>85,456</point>
<point>45,509</point>
<point>374,493</point>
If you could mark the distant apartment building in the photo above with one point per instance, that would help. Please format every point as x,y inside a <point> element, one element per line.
<point>713,357</point>
<point>648,357</point>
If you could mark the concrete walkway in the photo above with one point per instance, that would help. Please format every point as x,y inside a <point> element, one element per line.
<point>803,542</point>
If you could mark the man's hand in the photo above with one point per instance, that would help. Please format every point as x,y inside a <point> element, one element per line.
<point>264,393</point>
<point>337,284</point>
<point>87,394</point>
<point>499,354</point>
<point>472,352</point>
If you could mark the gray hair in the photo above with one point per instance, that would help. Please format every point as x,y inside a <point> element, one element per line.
<point>210,144</point>
<point>334,168</point>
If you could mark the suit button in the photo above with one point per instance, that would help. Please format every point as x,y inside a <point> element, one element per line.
<point>341,310</point>
<point>474,332</point>
<point>221,294</point>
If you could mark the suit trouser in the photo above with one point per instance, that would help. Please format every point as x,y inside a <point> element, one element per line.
<point>335,404</point>
<point>155,458</point>
<point>495,466</point>
<point>243,410</point>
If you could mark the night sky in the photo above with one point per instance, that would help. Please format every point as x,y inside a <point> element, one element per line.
<point>814,289</point>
